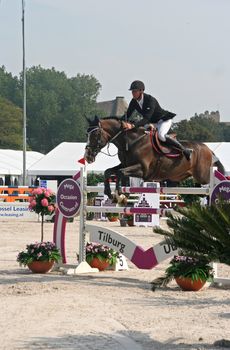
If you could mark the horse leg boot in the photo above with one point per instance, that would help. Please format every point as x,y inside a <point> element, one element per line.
<point>173,142</point>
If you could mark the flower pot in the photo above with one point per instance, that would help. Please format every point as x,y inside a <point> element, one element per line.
<point>100,265</point>
<point>188,284</point>
<point>130,222</point>
<point>123,222</point>
<point>113,218</point>
<point>41,266</point>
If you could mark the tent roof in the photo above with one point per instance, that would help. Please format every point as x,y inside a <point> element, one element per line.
<point>11,161</point>
<point>63,160</point>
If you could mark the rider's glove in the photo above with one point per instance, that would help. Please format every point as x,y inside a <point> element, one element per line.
<point>148,127</point>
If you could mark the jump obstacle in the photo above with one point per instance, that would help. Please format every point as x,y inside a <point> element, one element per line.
<point>14,193</point>
<point>143,259</point>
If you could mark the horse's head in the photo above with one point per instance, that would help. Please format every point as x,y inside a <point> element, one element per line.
<point>97,139</point>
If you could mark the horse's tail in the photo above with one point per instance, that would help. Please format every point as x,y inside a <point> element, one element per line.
<point>218,164</point>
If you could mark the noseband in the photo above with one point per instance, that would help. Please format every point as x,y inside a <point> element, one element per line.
<point>95,149</point>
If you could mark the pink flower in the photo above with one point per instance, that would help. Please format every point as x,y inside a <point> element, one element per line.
<point>51,208</point>
<point>44,202</point>
<point>37,191</point>
<point>31,199</point>
<point>47,193</point>
<point>32,204</point>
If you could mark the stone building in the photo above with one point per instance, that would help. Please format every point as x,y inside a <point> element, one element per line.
<point>114,108</point>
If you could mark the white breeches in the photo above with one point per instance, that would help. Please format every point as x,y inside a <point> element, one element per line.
<point>163,128</point>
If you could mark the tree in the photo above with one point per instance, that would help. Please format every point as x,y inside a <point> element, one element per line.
<point>10,125</point>
<point>199,128</point>
<point>56,107</point>
<point>9,87</point>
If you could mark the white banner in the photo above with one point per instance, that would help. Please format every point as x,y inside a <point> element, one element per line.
<point>16,211</point>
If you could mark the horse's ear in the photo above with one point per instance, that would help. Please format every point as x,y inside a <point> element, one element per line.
<point>96,119</point>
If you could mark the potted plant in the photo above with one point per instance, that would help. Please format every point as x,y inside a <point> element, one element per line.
<point>100,256</point>
<point>129,219</point>
<point>190,273</point>
<point>112,216</point>
<point>40,256</point>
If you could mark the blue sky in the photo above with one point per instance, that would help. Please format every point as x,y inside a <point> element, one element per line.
<point>179,48</point>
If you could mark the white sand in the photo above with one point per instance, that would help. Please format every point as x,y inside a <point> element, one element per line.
<point>107,310</point>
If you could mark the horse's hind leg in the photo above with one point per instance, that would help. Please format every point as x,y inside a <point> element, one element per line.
<point>201,169</point>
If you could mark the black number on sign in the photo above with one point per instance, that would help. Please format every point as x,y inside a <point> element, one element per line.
<point>120,260</point>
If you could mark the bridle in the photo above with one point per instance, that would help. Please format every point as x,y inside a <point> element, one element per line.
<point>97,149</point>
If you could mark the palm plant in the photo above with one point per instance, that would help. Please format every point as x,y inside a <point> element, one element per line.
<point>202,231</point>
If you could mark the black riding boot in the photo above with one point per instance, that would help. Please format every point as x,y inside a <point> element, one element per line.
<point>173,142</point>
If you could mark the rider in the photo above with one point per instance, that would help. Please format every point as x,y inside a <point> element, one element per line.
<point>151,112</point>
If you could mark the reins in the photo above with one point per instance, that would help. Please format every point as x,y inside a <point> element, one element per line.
<point>123,130</point>
<point>109,142</point>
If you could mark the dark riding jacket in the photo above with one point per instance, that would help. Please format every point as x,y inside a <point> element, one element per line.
<point>151,111</point>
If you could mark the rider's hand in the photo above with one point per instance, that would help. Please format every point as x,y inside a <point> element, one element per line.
<point>149,127</point>
<point>127,125</point>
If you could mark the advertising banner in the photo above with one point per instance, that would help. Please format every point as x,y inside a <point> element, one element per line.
<point>16,211</point>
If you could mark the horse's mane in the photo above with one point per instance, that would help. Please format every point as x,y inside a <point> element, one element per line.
<point>95,122</point>
<point>111,117</point>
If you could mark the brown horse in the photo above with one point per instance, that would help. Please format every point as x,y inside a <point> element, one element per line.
<point>139,159</point>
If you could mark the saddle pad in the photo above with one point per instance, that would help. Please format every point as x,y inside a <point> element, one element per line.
<point>161,148</point>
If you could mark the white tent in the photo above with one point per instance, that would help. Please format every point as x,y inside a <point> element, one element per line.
<point>222,151</point>
<point>63,160</point>
<point>11,161</point>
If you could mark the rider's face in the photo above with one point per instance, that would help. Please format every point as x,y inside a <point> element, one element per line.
<point>137,94</point>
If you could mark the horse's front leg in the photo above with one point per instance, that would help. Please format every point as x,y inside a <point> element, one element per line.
<point>107,175</point>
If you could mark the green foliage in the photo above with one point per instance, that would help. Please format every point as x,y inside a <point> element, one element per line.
<point>10,125</point>
<point>128,217</point>
<point>102,252</point>
<point>201,231</point>
<point>200,129</point>
<point>10,87</point>
<point>112,215</point>
<point>190,198</point>
<point>92,180</point>
<point>56,104</point>
<point>44,251</point>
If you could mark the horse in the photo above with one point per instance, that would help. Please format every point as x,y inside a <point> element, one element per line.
<point>138,157</point>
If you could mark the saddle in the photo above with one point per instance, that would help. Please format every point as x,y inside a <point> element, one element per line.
<point>161,148</point>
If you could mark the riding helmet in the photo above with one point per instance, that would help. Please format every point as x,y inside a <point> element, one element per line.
<point>137,85</point>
